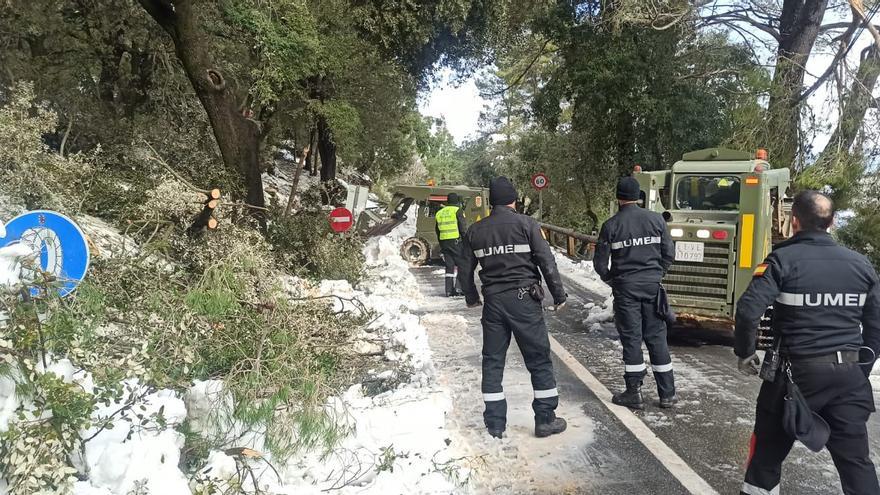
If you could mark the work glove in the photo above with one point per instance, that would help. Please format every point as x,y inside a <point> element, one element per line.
<point>750,366</point>
<point>558,305</point>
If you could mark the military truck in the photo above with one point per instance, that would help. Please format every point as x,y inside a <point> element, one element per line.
<point>724,210</point>
<point>424,247</point>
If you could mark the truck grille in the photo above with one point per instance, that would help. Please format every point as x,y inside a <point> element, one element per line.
<point>693,286</point>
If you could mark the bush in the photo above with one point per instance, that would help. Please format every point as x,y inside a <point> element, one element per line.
<point>304,245</point>
<point>862,233</point>
<point>29,170</point>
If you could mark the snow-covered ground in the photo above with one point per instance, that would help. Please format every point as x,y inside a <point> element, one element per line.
<point>583,274</point>
<point>398,441</point>
<point>519,462</point>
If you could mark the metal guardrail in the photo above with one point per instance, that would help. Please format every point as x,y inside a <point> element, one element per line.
<point>575,244</point>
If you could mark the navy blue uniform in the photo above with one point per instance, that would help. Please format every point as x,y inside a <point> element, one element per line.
<point>640,251</point>
<point>513,255</point>
<point>825,307</point>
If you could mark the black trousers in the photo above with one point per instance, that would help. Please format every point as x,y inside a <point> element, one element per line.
<point>452,258</point>
<point>842,395</point>
<point>636,318</point>
<point>512,313</point>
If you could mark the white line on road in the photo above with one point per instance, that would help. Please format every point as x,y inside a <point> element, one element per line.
<point>675,464</point>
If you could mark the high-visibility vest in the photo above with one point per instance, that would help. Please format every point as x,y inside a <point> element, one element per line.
<point>447,223</point>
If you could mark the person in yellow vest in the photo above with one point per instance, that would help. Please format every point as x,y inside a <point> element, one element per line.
<point>451,227</point>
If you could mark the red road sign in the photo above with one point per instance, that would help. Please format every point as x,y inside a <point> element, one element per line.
<point>341,220</point>
<point>540,181</point>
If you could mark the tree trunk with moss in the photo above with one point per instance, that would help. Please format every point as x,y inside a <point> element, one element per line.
<point>238,137</point>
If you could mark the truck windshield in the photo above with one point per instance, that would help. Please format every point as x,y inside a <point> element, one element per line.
<point>696,192</point>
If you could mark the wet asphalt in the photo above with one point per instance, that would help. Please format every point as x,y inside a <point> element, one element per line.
<point>709,428</point>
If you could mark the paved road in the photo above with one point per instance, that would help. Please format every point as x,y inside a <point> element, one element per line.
<point>709,429</point>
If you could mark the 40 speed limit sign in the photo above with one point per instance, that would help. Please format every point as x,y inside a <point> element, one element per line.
<point>540,181</point>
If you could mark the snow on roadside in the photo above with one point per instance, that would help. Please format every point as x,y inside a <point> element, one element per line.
<point>583,274</point>
<point>398,441</point>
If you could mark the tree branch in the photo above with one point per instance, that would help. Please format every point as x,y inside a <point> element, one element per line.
<point>845,46</point>
<point>516,81</point>
<point>859,9</point>
<point>732,17</point>
<point>162,11</point>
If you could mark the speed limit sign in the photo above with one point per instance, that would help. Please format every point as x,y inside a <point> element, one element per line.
<point>540,181</point>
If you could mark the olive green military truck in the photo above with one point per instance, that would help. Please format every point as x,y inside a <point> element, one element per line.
<point>424,247</point>
<point>724,210</point>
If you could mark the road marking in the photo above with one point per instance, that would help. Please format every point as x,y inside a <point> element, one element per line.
<point>675,464</point>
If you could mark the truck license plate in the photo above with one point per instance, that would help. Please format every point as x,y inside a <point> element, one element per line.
<point>689,251</point>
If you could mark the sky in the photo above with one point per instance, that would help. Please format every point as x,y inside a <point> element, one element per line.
<point>460,104</point>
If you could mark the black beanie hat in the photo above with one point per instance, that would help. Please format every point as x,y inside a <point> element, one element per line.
<point>628,189</point>
<point>453,199</point>
<point>501,192</point>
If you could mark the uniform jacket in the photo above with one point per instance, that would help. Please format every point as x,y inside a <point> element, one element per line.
<point>638,245</point>
<point>510,249</point>
<point>824,297</point>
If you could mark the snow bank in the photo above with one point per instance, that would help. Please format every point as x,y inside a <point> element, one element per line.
<point>583,274</point>
<point>399,441</point>
<point>140,448</point>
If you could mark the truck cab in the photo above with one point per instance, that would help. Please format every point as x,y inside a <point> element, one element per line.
<point>724,210</point>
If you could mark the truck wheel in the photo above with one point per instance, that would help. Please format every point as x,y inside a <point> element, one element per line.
<point>415,251</point>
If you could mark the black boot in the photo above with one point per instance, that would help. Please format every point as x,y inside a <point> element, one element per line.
<point>667,402</point>
<point>495,432</point>
<point>558,425</point>
<point>631,397</point>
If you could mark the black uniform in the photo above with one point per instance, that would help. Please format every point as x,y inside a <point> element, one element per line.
<point>641,251</point>
<point>510,249</point>
<point>825,306</point>
<point>452,255</point>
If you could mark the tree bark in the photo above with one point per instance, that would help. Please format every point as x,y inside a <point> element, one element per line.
<point>237,136</point>
<point>855,104</point>
<point>312,161</point>
<point>327,148</point>
<point>799,25</point>
<point>298,170</point>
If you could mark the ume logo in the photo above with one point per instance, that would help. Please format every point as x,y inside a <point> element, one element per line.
<point>500,250</point>
<point>832,299</point>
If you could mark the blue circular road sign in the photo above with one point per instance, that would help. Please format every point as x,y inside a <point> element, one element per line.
<point>62,247</point>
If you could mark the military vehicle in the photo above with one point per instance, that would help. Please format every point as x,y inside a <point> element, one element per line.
<point>724,210</point>
<point>424,247</point>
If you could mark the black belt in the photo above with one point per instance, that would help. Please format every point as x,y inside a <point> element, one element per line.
<point>839,357</point>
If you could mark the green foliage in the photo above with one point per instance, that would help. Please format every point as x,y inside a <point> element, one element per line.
<point>284,36</point>
<point>29,171</point>
<point>862,232</point>
<point>304,244</point>
<point>840,177</point>
<point>441,156</point>
<point>420,33</point>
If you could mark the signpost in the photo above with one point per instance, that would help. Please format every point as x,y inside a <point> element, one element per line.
<point>540,182</point>
<point>341,220</point>
<point>58,245</point>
